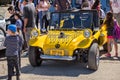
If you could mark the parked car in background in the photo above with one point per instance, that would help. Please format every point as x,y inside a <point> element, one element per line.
<point>2,28</point>
<point>2,25</point>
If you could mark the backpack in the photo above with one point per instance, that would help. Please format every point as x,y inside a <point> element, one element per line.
<point>116,31</point>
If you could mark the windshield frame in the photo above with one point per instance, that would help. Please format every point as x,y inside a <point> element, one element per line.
<point>93,12</point>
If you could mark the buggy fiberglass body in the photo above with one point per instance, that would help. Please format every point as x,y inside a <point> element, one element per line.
<point>73,36</point>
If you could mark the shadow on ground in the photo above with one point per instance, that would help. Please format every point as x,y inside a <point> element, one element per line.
<point>3,77</point>
<point>57,68</point>
<point>111,58</point>
<point>102,52</point>
<point>2,59</point>
<point>2,53</point>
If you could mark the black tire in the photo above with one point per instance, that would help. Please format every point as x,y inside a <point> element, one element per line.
<point>3,32</point>
<point>93,57</point>
<point>105,47</point>
<point>34,56</point>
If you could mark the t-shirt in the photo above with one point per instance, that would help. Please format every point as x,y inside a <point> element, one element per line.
<point>12,19</point>
<point>13,44</point>
<point>19,24</point>
<point>43,6</point>
<point>29,12</point>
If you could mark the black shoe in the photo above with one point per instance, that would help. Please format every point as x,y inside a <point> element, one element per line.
<point>9,78</point>
<point>17,77</point>
<point>14,73</point>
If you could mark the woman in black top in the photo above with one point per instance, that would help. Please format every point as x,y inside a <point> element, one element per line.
<point>109,22</point>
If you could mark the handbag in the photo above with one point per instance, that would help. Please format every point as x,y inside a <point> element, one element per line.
<point>116,31</point>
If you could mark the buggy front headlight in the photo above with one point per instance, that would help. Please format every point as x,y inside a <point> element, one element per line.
<point>87,33</point>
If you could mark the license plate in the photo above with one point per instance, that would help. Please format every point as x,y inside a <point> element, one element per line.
<point>57,52</point>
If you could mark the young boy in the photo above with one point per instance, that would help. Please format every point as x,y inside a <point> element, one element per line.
<point>13,46</point>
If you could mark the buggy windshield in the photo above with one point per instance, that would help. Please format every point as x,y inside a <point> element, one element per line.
<point>72,20</point>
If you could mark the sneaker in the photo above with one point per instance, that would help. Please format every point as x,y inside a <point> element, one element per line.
<point>108,55</point>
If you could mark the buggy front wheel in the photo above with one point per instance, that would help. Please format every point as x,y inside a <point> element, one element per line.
<point>93,57</point>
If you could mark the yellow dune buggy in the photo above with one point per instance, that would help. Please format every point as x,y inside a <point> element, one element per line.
<point>73,36</point>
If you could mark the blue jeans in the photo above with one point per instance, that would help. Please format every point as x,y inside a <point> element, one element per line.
<point>40,18</point>
<point>35,2</point>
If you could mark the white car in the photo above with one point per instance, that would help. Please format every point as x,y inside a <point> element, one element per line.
<point>2,29</point>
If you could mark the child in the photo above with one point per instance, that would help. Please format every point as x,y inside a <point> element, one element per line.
<point>13,46</point>
<point>109,21</point>
<point>19,26</point>
<point>18,23</point>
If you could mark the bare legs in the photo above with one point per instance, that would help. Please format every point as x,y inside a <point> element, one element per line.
<point>111,40</point>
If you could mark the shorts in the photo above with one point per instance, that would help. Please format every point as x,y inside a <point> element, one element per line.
<point>110,37</point>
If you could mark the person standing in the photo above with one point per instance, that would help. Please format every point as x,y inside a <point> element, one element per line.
<point>12,12</point>
<point>16,7</point>
<point>101,12</point>
<point>29,14</point>
<point>20,6</point>
<point>12,52</point>
<point>42,7</point>
<point>97,6</point>
<point>110,24</point>
<point>19,25</point>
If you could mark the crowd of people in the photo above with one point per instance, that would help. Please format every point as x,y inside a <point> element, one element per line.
<point>27,14</point>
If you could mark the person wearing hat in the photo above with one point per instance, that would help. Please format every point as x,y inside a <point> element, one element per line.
<point>13,44</point>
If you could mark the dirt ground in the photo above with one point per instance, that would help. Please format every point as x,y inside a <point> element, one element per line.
<point>62,70</point>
